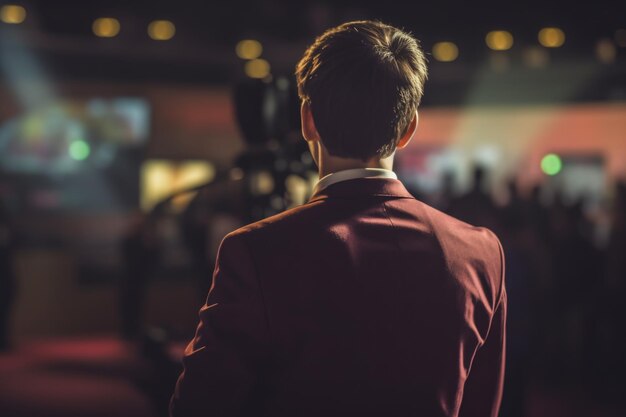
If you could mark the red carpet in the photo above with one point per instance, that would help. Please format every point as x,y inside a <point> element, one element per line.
<point>74,377</point>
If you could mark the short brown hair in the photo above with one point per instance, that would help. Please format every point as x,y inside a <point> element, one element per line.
<point>363,81</point>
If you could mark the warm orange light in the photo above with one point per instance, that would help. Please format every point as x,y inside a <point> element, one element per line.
<point>161,178</point>
<point>106,27</point>
<point>257,68</point>
<point>499,40</point>
<point>161,30</point>
<point>551,37</point>
<point>445,51</point>
<point>262,183</point>
<point>249,49</point>
<point>12,14</point>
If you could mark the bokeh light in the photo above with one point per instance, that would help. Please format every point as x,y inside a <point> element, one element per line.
<point>606,52</point>
<point>257,68</point>
<point>161,30</point>
<point>106,27</point>
<point>551,37</point>
<point>249,49</point>
<point>499,40</point>
<point>12,14</point>
<point>79,150</point>
<point>445,51</point>
<point>551,164</point>
<point>262,183</point>
<point>161,178</point>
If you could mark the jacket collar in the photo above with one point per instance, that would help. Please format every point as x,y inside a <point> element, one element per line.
<point>350,174</point>
<point>363,187</point>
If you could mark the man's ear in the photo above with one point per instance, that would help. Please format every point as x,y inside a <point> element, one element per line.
<point>309,131</point>
<point>410,132</point>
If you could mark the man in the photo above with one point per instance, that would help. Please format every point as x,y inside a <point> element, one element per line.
<point>364,301</point>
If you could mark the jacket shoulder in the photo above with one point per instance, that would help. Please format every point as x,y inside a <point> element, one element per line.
<point>281,221</point>
<point>465,245</point>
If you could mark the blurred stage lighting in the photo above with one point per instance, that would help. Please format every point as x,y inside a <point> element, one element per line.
<point>297,189</point>
<point>106,27</point>
<point>257,68</point>
<point>261,183</point>
<point>551,164</point>
<point>551,37</point>
<point>445,51</point>
<point>249,49</point>
<point>79,150</point>
<point>12,14</point>
<point>161,178</point>
<point>620,38</point>
<point>499,40</point>
<point>161,30</point>
<point>606,52</point>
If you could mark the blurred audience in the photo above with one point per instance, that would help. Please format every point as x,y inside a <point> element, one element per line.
<point>476,206</point>
<point>567,319</point>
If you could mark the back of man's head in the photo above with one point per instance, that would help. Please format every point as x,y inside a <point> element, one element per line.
<point>363,81</point>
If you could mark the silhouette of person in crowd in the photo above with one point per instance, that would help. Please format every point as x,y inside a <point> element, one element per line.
<point>476,206</point>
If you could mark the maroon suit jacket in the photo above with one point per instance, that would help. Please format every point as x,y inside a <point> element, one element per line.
<point>362,302</point>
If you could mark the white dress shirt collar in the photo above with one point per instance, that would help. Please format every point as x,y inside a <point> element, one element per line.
<point>350,174</point>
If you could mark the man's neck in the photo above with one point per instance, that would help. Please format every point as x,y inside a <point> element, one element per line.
<point>333,164</point>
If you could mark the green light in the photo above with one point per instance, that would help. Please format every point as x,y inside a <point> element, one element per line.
<point>79,150</point>
<point>551,164</point>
